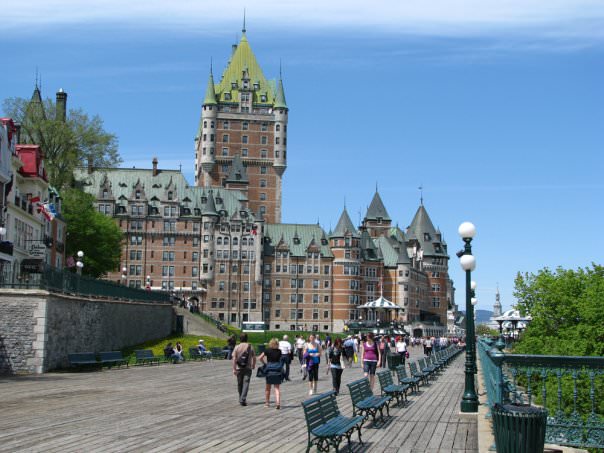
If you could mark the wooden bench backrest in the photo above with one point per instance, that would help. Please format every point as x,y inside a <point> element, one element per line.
<point>144,354</point>
<point>359,390</point>
<point>401,373</point>
<point>422,363</point>
<point>320,409</point>
<point>216,350</point>
<point>82,357</point>
<point>111,355</point>
<point>385,378</point>
<point>194,351</point>
<point>413,368</point>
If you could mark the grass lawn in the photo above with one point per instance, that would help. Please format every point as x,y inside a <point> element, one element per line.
<point>187,341</point>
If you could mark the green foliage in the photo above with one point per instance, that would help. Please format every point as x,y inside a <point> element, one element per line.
<point>187,341</point>
<point>65,144</point>
<point>483,329</point>
<point>566,307</point>
<point>91,232</point>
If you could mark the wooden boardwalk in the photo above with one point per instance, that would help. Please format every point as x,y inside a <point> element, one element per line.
<point>193,407</point>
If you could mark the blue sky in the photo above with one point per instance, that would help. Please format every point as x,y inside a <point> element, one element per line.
<point>496,108</point>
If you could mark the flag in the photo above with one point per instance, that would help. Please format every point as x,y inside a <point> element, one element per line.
<point>254,230</point>
<point>34,200</point>
<point>47,210</point>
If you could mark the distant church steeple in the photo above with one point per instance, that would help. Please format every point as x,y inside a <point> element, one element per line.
<point>497,305</point>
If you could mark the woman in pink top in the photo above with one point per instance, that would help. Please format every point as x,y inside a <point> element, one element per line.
<point>371,357</point>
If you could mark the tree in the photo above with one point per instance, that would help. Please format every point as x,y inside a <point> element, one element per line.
<point>483,329</point>
<point>95,234</point>
<point>567,311</point>
<point>66,144</point>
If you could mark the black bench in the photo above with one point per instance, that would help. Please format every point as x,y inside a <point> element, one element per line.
<point>83,359</point>
<point>365,402</point>
<point>325,425</point>
<point>195,353</point>
<point>412,381</point>
<point>146,356</point>
<point>424,376</point>
<point>427,368</point>
<point>219,353</point>
<point>398,391</point>
<point>112,358</point>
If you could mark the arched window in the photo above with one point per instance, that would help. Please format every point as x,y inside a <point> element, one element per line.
<point>226,241</point>
<point>170,195</point>
<point>278,127</point>
<point>235,241</point>
<point>219,240</point>
<point>205,124</point>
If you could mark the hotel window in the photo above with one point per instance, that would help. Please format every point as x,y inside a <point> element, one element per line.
<point>244,152</point>
<point>227,97</point>
<point>244,139</point>
<point>277,141</point>
<point>245,126</point>
<point>263,183</point>
<point>225,138</point>
<point>262,196</point>
<point>264,127</point>
<point>278,127</point>
<point>225,124</point>
<point>263,153</point>
<point>263,170</point>
<point>263,140</point>
<point>225,151</point>
<point>263,98</point>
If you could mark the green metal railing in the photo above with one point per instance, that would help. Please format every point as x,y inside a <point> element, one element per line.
<point>571,388</point>
<point>66,282</point>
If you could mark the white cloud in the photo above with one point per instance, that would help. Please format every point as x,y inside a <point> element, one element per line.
<point>557,18</point>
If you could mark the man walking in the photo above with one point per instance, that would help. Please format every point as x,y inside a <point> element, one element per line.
<point>286,355</point>
<point>244,361</point>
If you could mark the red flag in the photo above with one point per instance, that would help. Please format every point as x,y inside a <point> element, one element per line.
<point>34,200</point>
<point>254,230</point>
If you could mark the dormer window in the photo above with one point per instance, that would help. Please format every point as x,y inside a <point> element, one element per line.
<point>426,236</point>
<point>227,97</point>
<point>297,240</point>
<point>256,86</point>
<point>218,200</point>
<point>105,194</point>
<point>170,195</point>
<point>379,220</point>
<point>234,85</point>
<point>204,200</point>
<point>137,195</point>
<point>263,98</point>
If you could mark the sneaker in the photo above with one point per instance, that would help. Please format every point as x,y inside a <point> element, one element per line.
<point>243,403</point>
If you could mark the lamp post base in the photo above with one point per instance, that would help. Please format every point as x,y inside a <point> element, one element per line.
<point>469,404</point>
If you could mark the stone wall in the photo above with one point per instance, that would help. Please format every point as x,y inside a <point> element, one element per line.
<point>39,329</point>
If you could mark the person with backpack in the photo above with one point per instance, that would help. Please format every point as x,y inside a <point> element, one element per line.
<point>335,364</point>
<point>370,356</point>
<point>244,361</point>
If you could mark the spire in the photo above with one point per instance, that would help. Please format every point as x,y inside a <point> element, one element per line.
<point>377,209</point>
<point>210,98</point>
<point>210,207</point>
<point>237,173</point>
<point>345,226</point>
<point>243,29</point>
<point>421,194</point>
<point>280,95</point>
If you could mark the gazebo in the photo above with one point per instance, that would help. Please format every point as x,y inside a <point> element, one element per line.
<point>511,320</point>
<point>375,306</point>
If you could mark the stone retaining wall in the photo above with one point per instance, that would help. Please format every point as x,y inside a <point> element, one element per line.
<point>38,329</point>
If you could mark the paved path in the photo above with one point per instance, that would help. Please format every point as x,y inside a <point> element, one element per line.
<point>193,407</point>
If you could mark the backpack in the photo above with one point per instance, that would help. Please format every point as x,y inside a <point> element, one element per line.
<point>244,358</point>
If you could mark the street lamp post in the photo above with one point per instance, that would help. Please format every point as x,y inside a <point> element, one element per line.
<point>80,262</point>
<point>124,276</point>
<point>469,401</point>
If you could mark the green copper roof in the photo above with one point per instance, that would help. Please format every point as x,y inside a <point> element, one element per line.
<point>422,229</point>
<point>243,61</point>
<point>237,172</point>
<point>377,209</point>
<point>296,237</point>
<point>120,183</point>
<point>345,226</point>
<point>210,98</point>
<point>368,247</point>
<point>280,98</point>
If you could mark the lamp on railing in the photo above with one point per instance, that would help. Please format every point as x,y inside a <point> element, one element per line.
<point>2,230</point>
<point>124,276</point>
<point>469,402</point>
<point>80,262</point>
<point>148,285</point>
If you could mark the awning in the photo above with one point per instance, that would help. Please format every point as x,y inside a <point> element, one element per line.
<point>380,303</point>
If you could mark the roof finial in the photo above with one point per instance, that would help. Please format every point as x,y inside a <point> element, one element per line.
<point>344,201</point>
<point>421,194</point>
<point>36,77</point>
<point>376,187</point>
<point>211,66</point>
<point>280,70</point>
<point>243,29</point>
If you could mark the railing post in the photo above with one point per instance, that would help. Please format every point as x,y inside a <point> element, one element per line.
<point>498,357</point>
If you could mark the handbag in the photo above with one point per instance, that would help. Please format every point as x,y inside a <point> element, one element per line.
<point>261,371</point>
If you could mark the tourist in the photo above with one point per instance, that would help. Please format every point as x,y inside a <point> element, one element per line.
<point>312,356</point>
<point>203,352</point>
<point>335,364</point>
<point>177,353</point>
<point>349,350</point>
<point>401,349</point>
<point>384,349</point>
<point>370,356</point>
<point>429,343</point>
<point>286,355</point>
<point>168,351</point>
<point>231,342</point>
<point>300,351</point>
<point>244,361</point>
<point>274,372</point>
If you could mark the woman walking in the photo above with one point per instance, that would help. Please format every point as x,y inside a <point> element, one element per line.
<point>336,364</point>
<point>384,349</point>
<point>312,355</point>
<point>370,356</point>
<point>271,357</point>
<point>401,349</point>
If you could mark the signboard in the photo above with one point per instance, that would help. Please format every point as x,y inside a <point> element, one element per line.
<point>37,250</point>
<point>32,266</point>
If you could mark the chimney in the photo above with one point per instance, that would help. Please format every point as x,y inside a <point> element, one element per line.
<point>18,132</point>
<point>61,112</point>
<point>155,166</point>
<point>90,165</point>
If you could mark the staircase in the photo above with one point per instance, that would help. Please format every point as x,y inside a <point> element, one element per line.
<point>196,325</point>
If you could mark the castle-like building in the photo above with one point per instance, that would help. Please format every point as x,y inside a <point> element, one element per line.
<point>220,243</point>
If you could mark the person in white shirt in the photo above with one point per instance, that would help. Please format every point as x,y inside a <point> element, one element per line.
<point>401,348</point>
<point>286,355</point>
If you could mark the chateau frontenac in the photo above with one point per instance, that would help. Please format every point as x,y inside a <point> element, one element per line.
<point>220,243</point>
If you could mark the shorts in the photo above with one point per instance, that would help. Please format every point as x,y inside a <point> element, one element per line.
<point>369,367</point>
<point>313,373</point>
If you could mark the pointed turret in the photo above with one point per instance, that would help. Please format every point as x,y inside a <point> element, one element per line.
<point>209,208</point>
<point>422,230</point>
<point>237,172</point>
<point>280,96</point>
<point>345,226</point>
<point>210,98</point>
<point>376,209</point>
